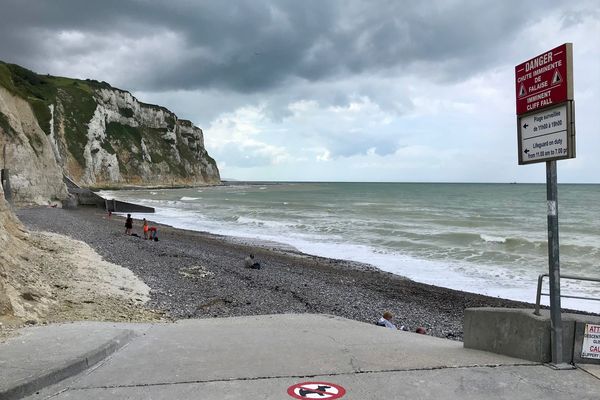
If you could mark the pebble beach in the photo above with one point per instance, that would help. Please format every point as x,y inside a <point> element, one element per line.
<point>201,275</point>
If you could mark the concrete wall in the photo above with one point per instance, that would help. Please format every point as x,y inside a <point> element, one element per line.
<point>520,333</point>
<point>86,197</point>
<point>123,206</point>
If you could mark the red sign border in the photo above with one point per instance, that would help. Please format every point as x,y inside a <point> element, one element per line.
<point>341,391</point>
<point>568,79</point>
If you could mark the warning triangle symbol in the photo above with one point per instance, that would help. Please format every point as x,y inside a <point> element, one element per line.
<point>556,79</point>
<point>522,91</point>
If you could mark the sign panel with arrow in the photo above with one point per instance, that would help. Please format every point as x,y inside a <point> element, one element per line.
<point>546,135</point>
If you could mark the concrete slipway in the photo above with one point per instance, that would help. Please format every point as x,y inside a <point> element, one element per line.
<point>261,357</point>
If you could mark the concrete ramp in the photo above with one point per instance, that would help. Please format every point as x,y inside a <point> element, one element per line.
<point>268,357</point>
<point>42,356</point>
<point>282,345</point>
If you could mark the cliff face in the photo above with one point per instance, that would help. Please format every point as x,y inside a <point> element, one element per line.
<point>35,176</point>
<point>12,235</point>
<point>98,135</point>
<point>128,142</point>
<point>46,277</point>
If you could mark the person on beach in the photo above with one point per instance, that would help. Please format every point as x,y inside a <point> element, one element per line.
<point>145,229</point>
<point>249,262</point>
<point>153,233</point>
<point>128,224</point>
<point>386,321</point>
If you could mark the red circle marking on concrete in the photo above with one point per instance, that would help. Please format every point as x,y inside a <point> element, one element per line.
<point>316,390</point>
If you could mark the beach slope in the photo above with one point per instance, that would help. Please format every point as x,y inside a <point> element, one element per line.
<point>199,275</point>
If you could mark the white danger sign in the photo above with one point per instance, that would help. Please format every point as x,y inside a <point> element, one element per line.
<point>591,342</point>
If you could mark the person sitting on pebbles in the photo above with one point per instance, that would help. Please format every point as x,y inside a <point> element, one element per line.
<point>250,262</point>
<point>386,321</point>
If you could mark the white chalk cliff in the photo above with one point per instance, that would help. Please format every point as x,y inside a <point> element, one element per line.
<point>98,135</point>
<point>25,150</point>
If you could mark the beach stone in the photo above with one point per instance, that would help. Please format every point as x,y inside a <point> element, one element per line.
<point>199,275</point>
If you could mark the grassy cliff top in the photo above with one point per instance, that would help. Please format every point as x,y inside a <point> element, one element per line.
<point>41,90</point>
<point>28,84</point>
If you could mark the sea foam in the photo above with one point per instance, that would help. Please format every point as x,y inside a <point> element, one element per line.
<point>492,239</point>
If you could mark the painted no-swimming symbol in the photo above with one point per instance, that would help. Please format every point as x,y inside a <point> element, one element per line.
<point>316,390</point>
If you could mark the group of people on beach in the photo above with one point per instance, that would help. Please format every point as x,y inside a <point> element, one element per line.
<point>150,232</point>
<point>386,321</point>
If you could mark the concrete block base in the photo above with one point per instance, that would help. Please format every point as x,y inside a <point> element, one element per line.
<point>520,333</point>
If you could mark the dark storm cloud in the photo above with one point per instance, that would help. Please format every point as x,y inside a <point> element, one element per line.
<point>248,46</point>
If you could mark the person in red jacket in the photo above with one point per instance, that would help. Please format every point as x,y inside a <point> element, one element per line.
<point>145,229</point>
<point>153,233</point>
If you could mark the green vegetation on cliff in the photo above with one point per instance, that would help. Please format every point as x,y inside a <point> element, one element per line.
<point>123,133</point>
<point>81,106</point>
<point>37,90</point>
<point>124,137</point>
<point>43,90</point>
<point>159,149</point>
<point>126,112</point>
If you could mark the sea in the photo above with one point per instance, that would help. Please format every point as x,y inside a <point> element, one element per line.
<point>483,238</point>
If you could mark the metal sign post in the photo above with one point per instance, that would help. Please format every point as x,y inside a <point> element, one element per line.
<point>546,133</point>
<point>554,263</point>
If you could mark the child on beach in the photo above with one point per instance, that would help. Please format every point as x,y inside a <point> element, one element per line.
<point>145,229</point>
<point>128,224</point>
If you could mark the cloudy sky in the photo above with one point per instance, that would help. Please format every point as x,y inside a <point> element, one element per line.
<point>328,90</point>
